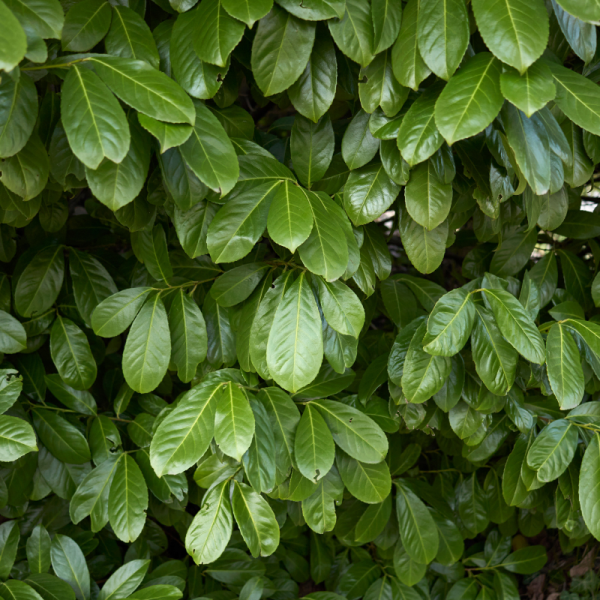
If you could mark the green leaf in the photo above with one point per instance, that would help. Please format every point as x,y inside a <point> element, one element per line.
<point>116,185</point>
<point>450,323</point>
<point>12,334</point>
<point>77,400</point>
<point>322,253</point>
<point>45,18</point>
<point>50,587</point>
<point>91,283</point>
<point>418,532</point>
<point>235,285</point>
<point>586,11</point>
<point>184,435</point>
<point>368,483</point>
<point>387,17</point>
<point>280,50</point>
<point>443,38</point>
<point>341,307</point>
<point>418,136</point>
<point>17,438</point>
<point>127,500</point>
<point>424,374</point>
<point>147,90</point>
<point>528,140</point>
<point>255,519</point>
<point>408,66</point>
<point>564,367</point>
<point>234,421</point>
<point>248,11</point>
<point>169,135</point>
<point>353,431</point>
<point>71,354</point>
<point>529,91</point>
<point>115,314</point>
<point>199,79</point>
<point>69,564</point>
<point>148,348</point>
<point>295,346</point>
<point>506,31</point>
<point>314,446</point>
<point>553,449</point>
<point>125,580</point>
<point>91,496</point>
<point>358,144</point>
<point>495,359</point>
<point>221,340</point>
<point>210,153</point>
<point>425,249</point>
<point>62,439</point>
<point>311,146</point>
<point>38,550</point>
<point>379,87</point>
<point>516,325</point>
<point>313,92</point>
<point>525,560</point>
<point>514,253</point>
<point>368,193</point>
<point>284,416</point>
<point>9,538</point>
<point>18,107</point>
<point>353,33</point>
<point>100,129</point>
<point>86,23</point>
<point>189,342</point>
<point>218,33</point>
<point>241,221</point>
<point>26,173</point>
<point>428,198</point>
<point>130,37</point>
<point>471,100</point>
<point>209,532</point>
<point>290,218</point>
<point>15,40</point>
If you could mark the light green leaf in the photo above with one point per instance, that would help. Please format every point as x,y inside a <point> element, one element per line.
<point>425,249</point>
<point>93,119</point>
<point>255,519</point>
<point>16,437</point>
<point>280,50</point>
<point>428,198</point>
<point>148,348</point>
<point>418,532</point>
<point>14,40</point>
<point>13,338</point>
<point>218,33</point>
<point>516,325</point>
<point>530,91</point>
<point>353,33</point>
<point>209,532</point>
<point>295,346</point>
<point>290,218</point>
<point>408,66</point>
<point>130,37</point>
<point>314,446</point>
<point>369,483</point>
<point>472,100</point>
<point>443,37</point>
<point>564,367</point>
<point>368,193</point>
<point>71,354</point>
<point>553,449</point>
<point>234,421</point>
<point>353,431</point>
<point>127,500</point>
<point>506,31</point>
<point>450,323</point>
<point>18,106</point>
<point>125,580</point>
<point>38,550</point>
<point>86,23</point>
<point>248,11</point>
<point>115,314</point>
<point>147,90</point>
<point>69,564</point>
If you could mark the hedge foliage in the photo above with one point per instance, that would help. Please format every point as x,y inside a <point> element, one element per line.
<point>298,297</point>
